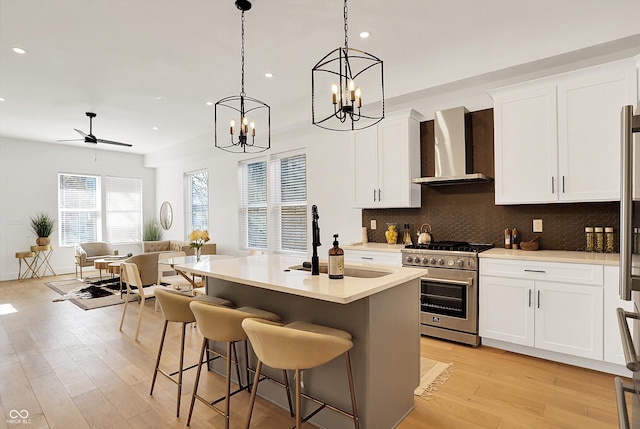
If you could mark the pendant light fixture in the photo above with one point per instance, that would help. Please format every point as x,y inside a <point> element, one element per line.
<point>339,83</point>
<point>243,113</point>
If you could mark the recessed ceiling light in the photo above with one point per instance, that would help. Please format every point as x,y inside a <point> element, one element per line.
<point>19,51</point>
<point>268,75</point>
<point>365,34</point>
<point>159,97</point>
<point>209,103</point>
<point>3,99</point>
<point>155,128</point>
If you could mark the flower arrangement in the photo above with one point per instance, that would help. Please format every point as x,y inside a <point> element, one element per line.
<point>198,238</point>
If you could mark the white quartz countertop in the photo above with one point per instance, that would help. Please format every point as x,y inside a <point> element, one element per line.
<point>553,256</point>
<point>375,247</point>
<point>272,272</point>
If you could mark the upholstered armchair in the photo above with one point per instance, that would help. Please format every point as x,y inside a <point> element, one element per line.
<point>87,253</point>
<point>207,249</point>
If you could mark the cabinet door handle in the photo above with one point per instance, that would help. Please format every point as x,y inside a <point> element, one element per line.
<point>563,184</point>
<point>538,299</point>
<point>535,271</point>
<point>530,297</point>
<point>374,195</point>
<point>553,187</point>
<point>379,195</point>
<point>366,257</point>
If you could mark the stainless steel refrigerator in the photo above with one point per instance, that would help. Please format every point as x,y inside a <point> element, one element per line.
<point>628,394</point>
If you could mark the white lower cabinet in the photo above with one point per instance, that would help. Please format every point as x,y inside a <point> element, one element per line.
<point>549,306</point>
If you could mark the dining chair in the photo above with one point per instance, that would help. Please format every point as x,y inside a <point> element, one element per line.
<point>131,278</point>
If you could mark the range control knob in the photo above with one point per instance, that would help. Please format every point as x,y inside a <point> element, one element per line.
<point>450,262</point>
<point>460,263</point>
<point>440,261</point>
<point>409,259</point>
<point>432,261</point>
<point>416,260</point>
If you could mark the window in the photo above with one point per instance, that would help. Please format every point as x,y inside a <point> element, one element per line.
<point>253,204</point>
<point>123,209</point>
<point>289,201</point>
<point>79,208</point>
<point>81,214</point>
<point>286,203</point>
<point>196,191</point>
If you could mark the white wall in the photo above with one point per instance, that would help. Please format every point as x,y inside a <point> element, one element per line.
<point>29,184</point>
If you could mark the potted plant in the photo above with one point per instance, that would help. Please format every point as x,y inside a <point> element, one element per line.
<point>151,230</point>
<point>43,225</point>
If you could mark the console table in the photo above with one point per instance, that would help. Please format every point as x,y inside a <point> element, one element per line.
<point>41,261</point>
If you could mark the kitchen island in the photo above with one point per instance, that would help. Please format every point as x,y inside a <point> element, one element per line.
<point>378,305</point>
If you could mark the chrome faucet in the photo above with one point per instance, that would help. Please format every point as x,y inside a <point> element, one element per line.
<point>315,263</point>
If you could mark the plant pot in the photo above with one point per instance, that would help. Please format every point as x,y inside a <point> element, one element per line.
<point>43,241</point>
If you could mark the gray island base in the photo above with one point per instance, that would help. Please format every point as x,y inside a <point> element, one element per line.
<point>382,315</point>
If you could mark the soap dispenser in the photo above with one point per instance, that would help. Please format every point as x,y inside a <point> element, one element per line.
<point>336,260</point>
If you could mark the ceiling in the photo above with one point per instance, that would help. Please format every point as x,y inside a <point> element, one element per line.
<point>141,64</point>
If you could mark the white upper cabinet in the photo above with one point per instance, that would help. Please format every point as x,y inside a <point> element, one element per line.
<point>558,139</point>
<point>387,157</point>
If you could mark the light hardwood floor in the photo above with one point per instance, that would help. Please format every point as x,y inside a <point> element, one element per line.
<point>71,368</point>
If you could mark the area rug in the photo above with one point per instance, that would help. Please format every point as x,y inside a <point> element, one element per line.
<point>89,295</point>
<point>432,375</point>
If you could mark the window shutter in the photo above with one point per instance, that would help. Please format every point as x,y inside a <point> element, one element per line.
<point>123,211</point>
<point>78,208</point>
<point>253,204</point>
<point>289,197</point>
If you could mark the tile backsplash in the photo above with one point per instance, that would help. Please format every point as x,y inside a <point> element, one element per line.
<point>468,212</point>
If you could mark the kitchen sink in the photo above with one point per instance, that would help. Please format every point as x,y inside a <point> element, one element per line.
<point>348,271</point>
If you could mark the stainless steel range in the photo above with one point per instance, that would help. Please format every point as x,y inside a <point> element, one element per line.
<point>449,292</point>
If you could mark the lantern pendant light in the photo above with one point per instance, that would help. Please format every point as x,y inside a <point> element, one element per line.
<point>244,112</point>
<point>340,81</point>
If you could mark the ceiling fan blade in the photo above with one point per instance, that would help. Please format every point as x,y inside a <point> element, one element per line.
<point>112,142</point>
<point>72,140</point>
<point>82,133</point>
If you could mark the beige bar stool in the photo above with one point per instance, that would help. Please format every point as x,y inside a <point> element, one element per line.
<point>30,268</point>
<point>175,308</point>
<point>298,346</point>
<point>225,324</point>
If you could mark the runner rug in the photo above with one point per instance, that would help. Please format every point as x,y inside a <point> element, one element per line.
<point>89,295</point>
<point>432,375</point>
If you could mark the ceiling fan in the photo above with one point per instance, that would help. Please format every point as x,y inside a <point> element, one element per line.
<point>90,138</point>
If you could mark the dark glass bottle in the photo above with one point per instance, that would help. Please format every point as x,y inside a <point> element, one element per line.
<point>336,260</point>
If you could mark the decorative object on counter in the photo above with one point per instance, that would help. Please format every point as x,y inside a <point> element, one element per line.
<point>391,234</point>
<point>42,226</point>
<point>515,238</point>
<point>198,238</point>
<point>336,260</point>
<point>609,240</point>
<point>243,105</point>
<point>507,238</point>
<point>589,239</point>
<point>364,238</point>
<point>424,235</point>
<point>406,239</point>
<point>343,113</point>
<point>530,245</point>
<point>598,232</point>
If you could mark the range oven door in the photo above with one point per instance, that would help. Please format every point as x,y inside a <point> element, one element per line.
<point>449,300</point>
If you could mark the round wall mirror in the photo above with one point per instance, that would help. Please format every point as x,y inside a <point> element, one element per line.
<point>166,215</point>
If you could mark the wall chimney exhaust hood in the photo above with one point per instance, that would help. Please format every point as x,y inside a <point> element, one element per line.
<point>453,150</point>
